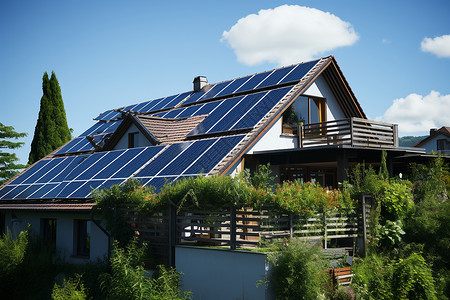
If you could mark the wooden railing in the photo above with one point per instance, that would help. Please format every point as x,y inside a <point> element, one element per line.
<point>356,132</point>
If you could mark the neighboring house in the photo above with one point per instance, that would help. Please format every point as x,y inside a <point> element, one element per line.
<point>302,119</point>
<point>438,141</point>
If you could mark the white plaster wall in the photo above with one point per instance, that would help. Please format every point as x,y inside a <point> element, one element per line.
<point>222,274</point>
<point>273,139</point>
<point>123,142</point>
<point>64,233</point>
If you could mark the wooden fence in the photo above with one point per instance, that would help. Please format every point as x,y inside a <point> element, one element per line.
<point>240,228</point>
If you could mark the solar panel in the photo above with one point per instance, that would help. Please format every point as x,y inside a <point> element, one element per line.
<point>229,113</point>
<point>299,72</point>
<point>261,108</point>
<point>237,83</point>
<point>253,82</point>
<point>108,115</point>
<point>132,165</point>
<point>62,176</point>
<point>275,77</point>
<point>187,159</point>
<point>210,158</point>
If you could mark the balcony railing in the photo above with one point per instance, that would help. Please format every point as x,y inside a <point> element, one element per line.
<point>355,132</point>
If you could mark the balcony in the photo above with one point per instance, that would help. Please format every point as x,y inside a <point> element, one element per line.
<point>355,132</point>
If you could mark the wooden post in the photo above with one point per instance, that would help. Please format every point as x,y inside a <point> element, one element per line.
<point>233,228</point>
<point>325,230</point>
<point>172,234</point>
<point>300,135</point>
<point>351,132</point>
<point>364,224</point>
<point>395,135</point>
<point>291,226</point>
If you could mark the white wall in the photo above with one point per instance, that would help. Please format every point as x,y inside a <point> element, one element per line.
<point>64,232</point>
<point>123,142</point>
<point>222,274</point>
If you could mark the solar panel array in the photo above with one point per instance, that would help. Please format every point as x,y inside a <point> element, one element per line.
<point>76,176</point>
<point>250,83</point>
<point>231,105</point>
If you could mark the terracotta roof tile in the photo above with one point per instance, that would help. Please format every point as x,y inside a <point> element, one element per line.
<point>169,131</point>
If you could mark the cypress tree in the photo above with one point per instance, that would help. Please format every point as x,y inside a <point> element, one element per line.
<point>8,166</point>
<point>51,129</point>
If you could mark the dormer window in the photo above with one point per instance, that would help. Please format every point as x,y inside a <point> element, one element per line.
<point>133,139</point>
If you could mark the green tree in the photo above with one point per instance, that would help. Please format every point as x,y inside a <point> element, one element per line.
<point>8,166</point>
<point>51,129</point>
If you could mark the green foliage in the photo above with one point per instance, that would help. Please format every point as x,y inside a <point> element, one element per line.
<point>129,280</point>
<point>8,166</point>
<point>393,202</point>
<point>111,202</point>
<point>262,178</point>
<point>71,289</point>
<point>305,199</point>
<point>409,141</point>
<point>210,192</point>
<point>12,253</point>
<point>391,233</point>
<point>290,117</point>
<point>412,279</point>
<point>384,173</point>
<point>428,225</point>
<point>51,129</point>
<point>373,276</point>
<point>297,271</point>
<point>396,199</point>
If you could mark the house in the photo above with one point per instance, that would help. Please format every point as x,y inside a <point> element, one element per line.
<point>303,119</point>
<point>438,141</point>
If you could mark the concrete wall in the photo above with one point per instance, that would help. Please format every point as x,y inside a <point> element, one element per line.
<point>222,274</point>
<point>64,232</point>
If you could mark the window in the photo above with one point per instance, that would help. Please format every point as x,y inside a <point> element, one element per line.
<point>442,145</point>
<point>133,139</point>
<point>48,232</point>
<point>81,238</point>
<point>305,110</point>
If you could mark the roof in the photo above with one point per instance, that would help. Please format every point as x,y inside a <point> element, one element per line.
<point>191,133</point>
<point>443,130</point>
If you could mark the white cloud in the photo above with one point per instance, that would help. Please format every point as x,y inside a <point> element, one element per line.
<point>416,114</point>
<point>287,34</point>
<point>385,41</point>
<point>439,46</point>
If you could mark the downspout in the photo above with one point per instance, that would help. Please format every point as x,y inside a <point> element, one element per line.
<point>104,231</point>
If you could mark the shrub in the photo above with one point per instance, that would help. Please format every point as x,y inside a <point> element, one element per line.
<point>412,279</point>
<point>12,253</point>
<point>297,271</point>
<point>372,279</point>
<point>71,289</point>
<point>129,280</point>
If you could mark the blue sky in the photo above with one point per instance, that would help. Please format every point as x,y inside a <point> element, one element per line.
<point>108,54</point>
